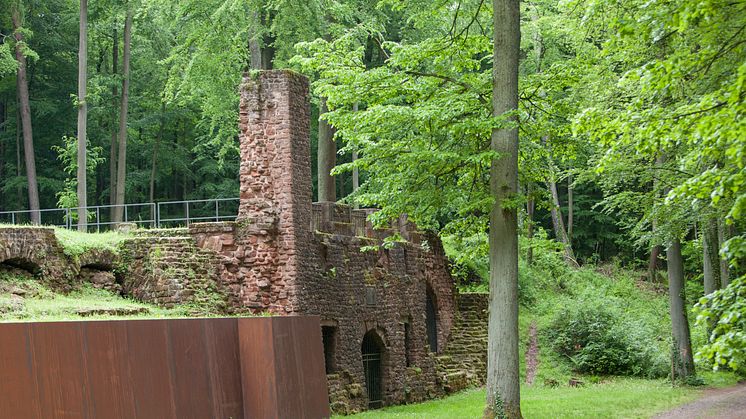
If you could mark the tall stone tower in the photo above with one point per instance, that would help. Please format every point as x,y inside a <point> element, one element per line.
<point>274,214</point>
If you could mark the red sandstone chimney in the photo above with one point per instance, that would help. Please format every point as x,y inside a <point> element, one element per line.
<point>275,175</point>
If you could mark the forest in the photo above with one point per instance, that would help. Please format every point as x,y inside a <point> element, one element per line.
<point>600,132</point>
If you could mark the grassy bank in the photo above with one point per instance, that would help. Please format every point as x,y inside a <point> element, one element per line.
<point>613,398</point>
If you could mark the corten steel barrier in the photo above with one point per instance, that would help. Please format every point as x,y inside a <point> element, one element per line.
<point>267,367</point>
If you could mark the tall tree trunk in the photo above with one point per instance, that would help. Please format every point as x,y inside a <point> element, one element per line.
<point>655,248</point>
<point>82,118</point>
<point>724,234</point>
<point>530,208</point>
<point>3,124</point>
<point>154,160</point>
<point>355,171</point>
<point>655,252</point>
<point>122,154</point>
<point>114,105</point>
<point>559,226</point>
<point>683,363</point>
<point>570,209</point>
<point>503,385</point>
<point>710,255</point>
<point>327,157</point>
<point>25,108</point>
<point>255,44</point>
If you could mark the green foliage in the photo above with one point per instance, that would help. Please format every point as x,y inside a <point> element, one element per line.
<point>76,243</point>
<point>598,339</point>
<point>724,314</point>
<point>68,155</point>
<point>612,398</point>
<point>8,64</point>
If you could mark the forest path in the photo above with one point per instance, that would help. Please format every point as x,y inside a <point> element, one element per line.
<point>532,353</point>
<point>722,403</point>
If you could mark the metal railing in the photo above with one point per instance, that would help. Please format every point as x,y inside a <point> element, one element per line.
<point>148,215</point>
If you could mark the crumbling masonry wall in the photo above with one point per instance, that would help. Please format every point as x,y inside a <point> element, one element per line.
<point>285,255</point>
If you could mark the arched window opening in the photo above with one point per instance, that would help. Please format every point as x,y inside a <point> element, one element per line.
<point>372,350</point>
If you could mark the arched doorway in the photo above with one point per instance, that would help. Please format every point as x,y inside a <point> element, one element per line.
<point>372,349</point>
<point>431,320</point>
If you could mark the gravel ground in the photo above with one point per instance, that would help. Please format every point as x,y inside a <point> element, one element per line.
<point>724,403</point>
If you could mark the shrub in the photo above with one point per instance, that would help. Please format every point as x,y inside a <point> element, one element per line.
<point>598,339</point>
<point>724,314</point>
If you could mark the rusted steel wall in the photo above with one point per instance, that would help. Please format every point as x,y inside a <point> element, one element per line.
<point>269,367</point>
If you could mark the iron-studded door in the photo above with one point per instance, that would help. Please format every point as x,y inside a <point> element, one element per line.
<point>372,367</point>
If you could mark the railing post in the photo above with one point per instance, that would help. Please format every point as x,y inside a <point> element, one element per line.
<point>125,213</point>
<point>13,218</point>
<point>217,211</point>
<point>187,212</point>
<point>152,214</point>
<point>158,214</point>
<point>98,219</point>
<point>68,219</point>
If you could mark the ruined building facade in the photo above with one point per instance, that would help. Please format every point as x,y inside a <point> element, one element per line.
<point>391,325</point>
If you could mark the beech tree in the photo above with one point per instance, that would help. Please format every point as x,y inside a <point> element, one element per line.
<point>123,109</point>
<point>21,53</point>
<point>82,117</point>
<point>503,382</point>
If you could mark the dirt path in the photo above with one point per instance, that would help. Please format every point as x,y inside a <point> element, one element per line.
<point>723,403</point>
<point>532,354</point>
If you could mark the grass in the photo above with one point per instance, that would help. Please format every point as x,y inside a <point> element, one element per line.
<point>76,243</point>
<point>614,398</point>
<point>49,306</point>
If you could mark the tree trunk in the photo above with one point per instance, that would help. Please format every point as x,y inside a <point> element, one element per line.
<point>683,363</point>
<point>559,226</point>
<point>255,46</point>
<point>530,208</point>
<point>327,157</point>
<point>154,160</point>
<point>710,255</point>
<point>82,117</point>
<point>655,252</point>
<point>503,385</point>
<point>3,123</point>
<point>724,234</point>
<point>570,209</point>
<point>113,145</point>
<point>25,108</point>
<point>355,171</point>
<point>122,154</point>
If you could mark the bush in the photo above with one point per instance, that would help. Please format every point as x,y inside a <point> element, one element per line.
<point>598,339</point>
<point>724,314</point>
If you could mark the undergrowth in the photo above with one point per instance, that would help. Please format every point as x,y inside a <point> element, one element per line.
<point>75,243</point>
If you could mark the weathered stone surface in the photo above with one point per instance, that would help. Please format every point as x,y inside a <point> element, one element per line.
<point>285,255</point>
<point>101,279</point>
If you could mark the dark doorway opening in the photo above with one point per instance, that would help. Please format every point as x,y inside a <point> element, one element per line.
<point>431,321</point>
<point>329,338</point>
<point>372,349</point>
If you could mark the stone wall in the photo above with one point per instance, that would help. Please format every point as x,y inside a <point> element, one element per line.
<point>464,360</point>
<point>37,251</point>
<point>167,271</point>
<point>285,255</point>
<point>275,177</point>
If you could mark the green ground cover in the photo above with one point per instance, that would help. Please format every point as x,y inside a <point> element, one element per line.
<point>611,398</point>
<point>86,303</point>
<point>76,243</point>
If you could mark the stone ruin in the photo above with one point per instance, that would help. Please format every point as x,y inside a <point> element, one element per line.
<point>394,328</point>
